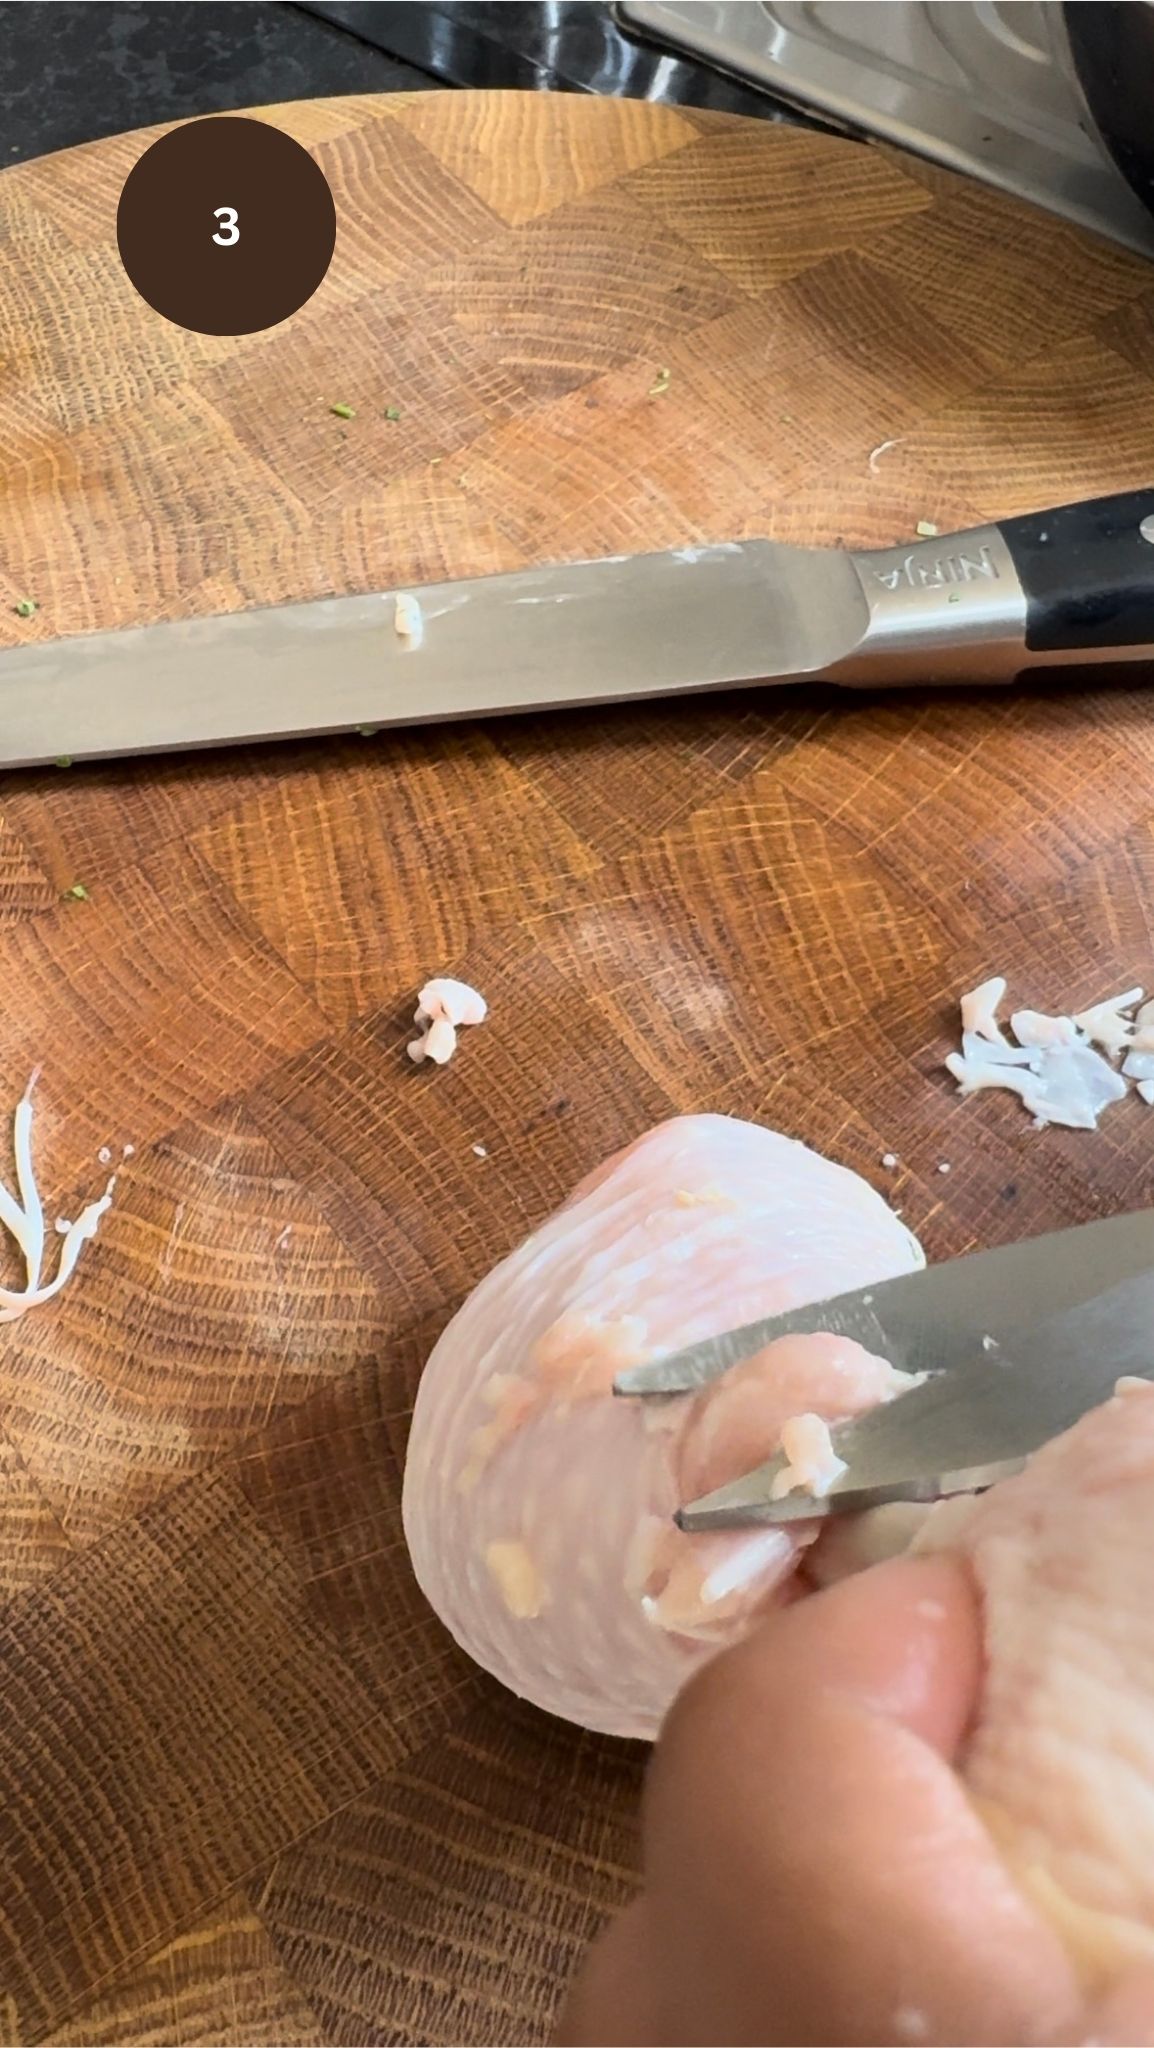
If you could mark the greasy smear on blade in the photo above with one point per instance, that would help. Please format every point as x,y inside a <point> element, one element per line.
<point>408,619</point>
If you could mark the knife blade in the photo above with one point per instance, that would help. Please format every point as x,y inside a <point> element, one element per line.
<point>938,1317</point>
<point>626,627</point>
<point>979,606</point>
<point>964,1430</point>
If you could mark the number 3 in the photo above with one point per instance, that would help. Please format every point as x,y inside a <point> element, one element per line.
<point>230,232</point>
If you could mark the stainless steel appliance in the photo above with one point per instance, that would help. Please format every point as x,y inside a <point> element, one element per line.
<point>1052,102</point>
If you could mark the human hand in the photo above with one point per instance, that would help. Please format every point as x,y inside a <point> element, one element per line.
<point>814,1872</point>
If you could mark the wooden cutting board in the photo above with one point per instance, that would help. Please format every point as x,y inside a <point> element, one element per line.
<point>248,1791</point>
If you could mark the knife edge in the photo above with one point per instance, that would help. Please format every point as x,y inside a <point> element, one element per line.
<point>932,1319</point>
<point>962,1431</point>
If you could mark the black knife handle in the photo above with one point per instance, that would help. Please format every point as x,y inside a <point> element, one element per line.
<point>1087,572</point>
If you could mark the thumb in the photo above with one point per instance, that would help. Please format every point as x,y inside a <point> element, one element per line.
<point>814,1869</point>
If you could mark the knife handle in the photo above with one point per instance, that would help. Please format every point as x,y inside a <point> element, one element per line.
<point>1072,585</point>
<point>1087,572</point>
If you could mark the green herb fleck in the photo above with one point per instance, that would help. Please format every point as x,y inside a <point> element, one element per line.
<point>926,530</point>
<point>368,732</point>
<point>660,384</point>
<point>954,597</point>
<point>344,412</point>
<point>392,412</point>
<point>26,608</point>
<point>63,761</point>
<point>79,891</point>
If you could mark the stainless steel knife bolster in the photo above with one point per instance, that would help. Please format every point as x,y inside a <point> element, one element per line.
<point>1072,585</point>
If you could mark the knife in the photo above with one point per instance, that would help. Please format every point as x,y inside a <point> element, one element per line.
<point>939,1317</point>
<point>1073,585</point>
<point>966,1429</point>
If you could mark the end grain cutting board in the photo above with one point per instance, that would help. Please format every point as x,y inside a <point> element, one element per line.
<point>248,1791</point>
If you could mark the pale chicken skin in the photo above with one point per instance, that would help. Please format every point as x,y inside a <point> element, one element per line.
<point>1060,1764</point>
<point>920,1807</point>
<point>538,1511</point>
<point>538,1506</point>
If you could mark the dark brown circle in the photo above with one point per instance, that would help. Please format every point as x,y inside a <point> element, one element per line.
<point>226,225</point>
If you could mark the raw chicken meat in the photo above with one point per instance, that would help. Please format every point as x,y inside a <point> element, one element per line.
<point>538,1506</point>
<point>1061,1762</point>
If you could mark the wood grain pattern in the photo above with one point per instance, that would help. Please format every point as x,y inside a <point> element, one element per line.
<point>248,1790</point>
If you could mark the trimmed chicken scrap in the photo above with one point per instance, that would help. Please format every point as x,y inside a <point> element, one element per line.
<point>1053,1066</point>
<point>443,1006</point>
<point>22,1216</point>
<point>813,1463</point>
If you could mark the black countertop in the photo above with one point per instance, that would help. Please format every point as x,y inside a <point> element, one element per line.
<point>73,70</point>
